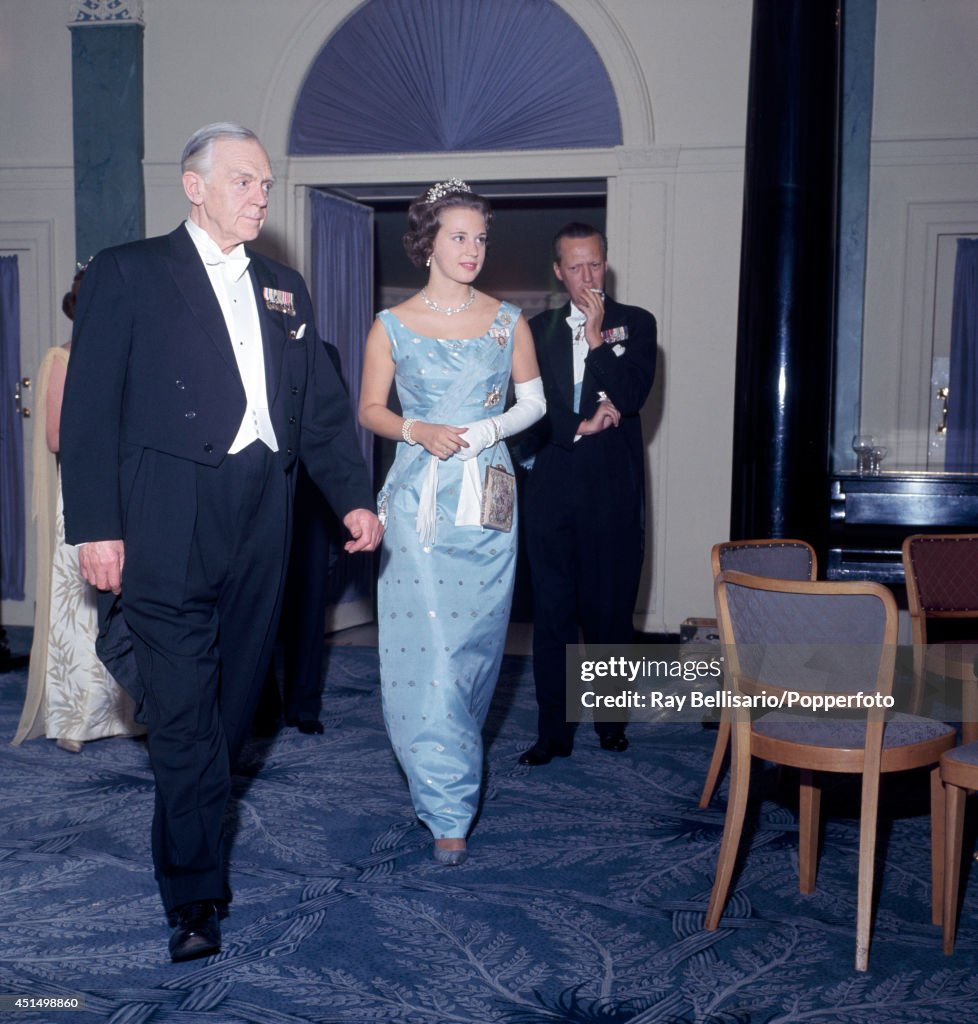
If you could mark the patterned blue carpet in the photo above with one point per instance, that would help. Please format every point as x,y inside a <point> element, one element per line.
<point>582,901</point>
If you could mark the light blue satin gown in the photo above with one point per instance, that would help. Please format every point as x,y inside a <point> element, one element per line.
<point>443,600</point>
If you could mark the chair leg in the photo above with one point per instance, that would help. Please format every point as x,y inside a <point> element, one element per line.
<point>868,815</point>
<point>954,826</point>
<point>716,762</point>
<point>809,807</point>
<point>937,840</point>
<point>969,711</point>
<point>733,825</point>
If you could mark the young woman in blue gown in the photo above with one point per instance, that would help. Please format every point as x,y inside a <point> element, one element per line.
<point>446,582</point>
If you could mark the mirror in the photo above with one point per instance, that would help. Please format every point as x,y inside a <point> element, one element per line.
<point>922,199</point>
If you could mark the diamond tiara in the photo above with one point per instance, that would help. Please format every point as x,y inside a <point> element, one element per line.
<point>445,188</point>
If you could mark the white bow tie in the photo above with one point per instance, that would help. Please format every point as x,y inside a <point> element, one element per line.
<point>235,262</point>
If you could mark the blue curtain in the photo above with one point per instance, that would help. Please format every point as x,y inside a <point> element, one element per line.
<point>962,407</point>
<point>342,291</point>
<point>12,535</point>
<point>409,76</point>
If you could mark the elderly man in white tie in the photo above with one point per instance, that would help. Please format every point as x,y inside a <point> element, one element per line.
<point>197,381</point>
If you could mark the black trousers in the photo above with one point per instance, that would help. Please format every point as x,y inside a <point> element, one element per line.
<point>585,546</point>
<point>205,555</point>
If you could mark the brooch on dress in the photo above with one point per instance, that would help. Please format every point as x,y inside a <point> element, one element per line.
<point>493,397</point>
<point>500,335</point>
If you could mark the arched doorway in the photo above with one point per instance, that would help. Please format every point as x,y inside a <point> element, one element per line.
<point>630,176</point>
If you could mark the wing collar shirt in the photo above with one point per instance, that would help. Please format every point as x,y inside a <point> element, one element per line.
<point>579,349</point>
<point>228,274</point>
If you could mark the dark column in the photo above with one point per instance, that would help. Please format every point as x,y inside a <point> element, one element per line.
<point>785,324</point>
<point>107,109</point>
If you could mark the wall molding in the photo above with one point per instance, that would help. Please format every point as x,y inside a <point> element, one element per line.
<point>924,151</point>
<point>96,13</point>
<point>34,177</point>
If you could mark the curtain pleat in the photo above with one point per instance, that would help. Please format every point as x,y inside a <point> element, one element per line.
<point>962,408</point>
<point>12,537</point>
<point>342,292</point>
<point>408,76</point>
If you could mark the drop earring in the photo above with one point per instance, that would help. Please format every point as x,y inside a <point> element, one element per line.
<point>428,263</point>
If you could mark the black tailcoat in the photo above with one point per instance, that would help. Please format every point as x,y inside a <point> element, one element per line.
<point>153,400</point>
<point>584,512</point>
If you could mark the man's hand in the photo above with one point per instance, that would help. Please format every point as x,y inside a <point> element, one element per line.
<point>101,563</point>
<point>606,415</point>
<point>592,306</point>
<point>365,529</point>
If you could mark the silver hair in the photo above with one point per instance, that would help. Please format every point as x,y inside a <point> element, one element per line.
<point>198,150</point>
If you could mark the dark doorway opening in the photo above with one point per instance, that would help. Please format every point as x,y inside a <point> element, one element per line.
<point>518,267</point>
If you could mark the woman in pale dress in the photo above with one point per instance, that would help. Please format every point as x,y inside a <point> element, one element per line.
<point>446,580</point>
<point>71,697</point>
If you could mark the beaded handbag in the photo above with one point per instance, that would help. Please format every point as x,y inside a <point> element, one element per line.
<point>498,499</point>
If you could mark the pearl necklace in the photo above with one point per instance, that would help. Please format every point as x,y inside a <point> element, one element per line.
<point>448,310</point>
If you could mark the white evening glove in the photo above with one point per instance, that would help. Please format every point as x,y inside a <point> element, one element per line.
<point>478,435</point>
<point>529,406</point>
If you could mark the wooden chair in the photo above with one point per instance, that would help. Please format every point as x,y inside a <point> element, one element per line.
<point>773,631</point>
<point>778,559</point>
<point>941,571</point>
<point>959,772</point>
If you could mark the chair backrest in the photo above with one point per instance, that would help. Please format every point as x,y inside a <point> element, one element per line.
<point>941,571</point>
<point>779,559</point>
<point>837,637</point>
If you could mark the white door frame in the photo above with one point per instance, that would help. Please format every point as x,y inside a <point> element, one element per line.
<point>32,242</point>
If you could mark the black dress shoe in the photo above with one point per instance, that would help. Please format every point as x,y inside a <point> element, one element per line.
<point>617,742</point>
<point>544,751</point>
<point>198,932</point>
<point>310,726</point>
